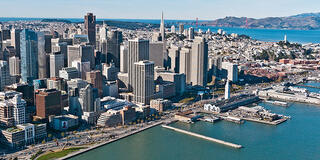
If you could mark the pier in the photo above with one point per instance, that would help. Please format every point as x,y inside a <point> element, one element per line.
<point>203,137</point>
<point>302,85</point>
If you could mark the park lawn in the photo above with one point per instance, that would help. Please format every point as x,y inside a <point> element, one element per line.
<point>59,154</point>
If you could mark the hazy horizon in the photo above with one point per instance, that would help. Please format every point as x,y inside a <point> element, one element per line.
<point>143,9</point>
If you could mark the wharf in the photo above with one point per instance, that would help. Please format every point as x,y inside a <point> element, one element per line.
<point>204,137</point>
<point>302,85</point>
<point>266,122</point>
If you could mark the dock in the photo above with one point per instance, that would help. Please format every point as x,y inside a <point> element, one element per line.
<point>203,137</point>
<point>309,86</point>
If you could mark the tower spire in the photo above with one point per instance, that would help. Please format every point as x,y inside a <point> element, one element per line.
<point>162,30</point>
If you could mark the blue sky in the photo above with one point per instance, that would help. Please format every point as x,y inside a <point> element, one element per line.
<point>151,9</point>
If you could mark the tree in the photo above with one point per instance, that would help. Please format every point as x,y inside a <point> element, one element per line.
<point>43,142</point>
<point>62,134</point>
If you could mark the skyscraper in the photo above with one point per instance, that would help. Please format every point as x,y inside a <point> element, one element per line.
<point>90,27</point>
<point>185,63</point>
<point>113,47</point>
<point>83,53</point>
<point>48,102</point>
<point>14,66</point>
<point>181,28</point>
<point>86,99</point>
<point>124,59</point>
<point>15,40</point>
<point>56,63</point>
<point>42,57</point>
<point>156,53</point>
<point>29,55</point>
<point>143,81</point>
<point>4,74</point>
<point>138,51</point>
<point>174,58</point>
<point>199,62</point>
<point>191,33</point>
<point>162,28</point>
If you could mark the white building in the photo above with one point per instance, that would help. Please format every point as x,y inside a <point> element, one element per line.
<point>230,71</point>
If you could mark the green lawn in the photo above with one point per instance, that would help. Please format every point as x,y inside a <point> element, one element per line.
<point>59,154</point>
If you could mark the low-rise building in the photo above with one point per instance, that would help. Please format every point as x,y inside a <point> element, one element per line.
<point>63,122</point>
<point>160,104</point>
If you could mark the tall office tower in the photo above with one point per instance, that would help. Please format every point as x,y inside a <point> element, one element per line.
<point>191,33</point>
<point>61,47</point>
<point>56,63</point>
<point>86,99</point>
<point>217,66</point>
<point>69,73</point>
<point>82,67</point>
<point>230,71</point>
<point>90,27</point>
<point>124,59</point>
<point>4,74</point>
<point>95,78</point>
<point>5,34</point>
<point>48,102</point>
<point>162,29</point>
<point>84,53</point>
<point>15,40</point>
<point>156,53</point>
<point>173,29</point>
<point>143,81</point>
<point>181,28</point>
<point>103,32</point>
<point>185,63</point>
<point>47,43</point>
<point>227,90</point>
<point>29,55</point>
<point>199,62</point>
<point>110,72</point>
<point>14,66</point>
<point>174,58</point>
<point>113,47</point>
<point>42,57</point>
<point>19,109</point>
<point>138,51</point>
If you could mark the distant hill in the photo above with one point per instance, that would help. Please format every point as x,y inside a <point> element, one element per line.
<point>306,21</point>
<point>55,20</point>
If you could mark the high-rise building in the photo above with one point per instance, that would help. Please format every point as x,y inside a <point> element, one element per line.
<point>6,114</point>
<point>113,47</point>
<point>174,58</point>
<point>185,63</point>
<point>63,48</point>
<point>56,63</point>
<point>69,73</point>
<point>199,62</point>
<point>191,33</point>
<point>173,29</point>
<point>48,102</point>
<point>29,55</point>
<point>230,71</point>
<point>162,28</point>
<point>95,78</point>
<point>84,53</point>
<point>47,43</point>
<point>138,51</point>
<point>14,66</point>
<point>156,53</point>
<point>181,28</point>
<point>42,57</point>
<point>143,81</point>
<point>123,59</point>
<point>15,40</point>
<point>5,78</point>
<point>82,67</point>
<point>90,27</point>
<point>110,72</point>
<point>86,99</point>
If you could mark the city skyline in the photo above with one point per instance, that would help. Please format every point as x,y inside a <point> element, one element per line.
<point>178,10</point>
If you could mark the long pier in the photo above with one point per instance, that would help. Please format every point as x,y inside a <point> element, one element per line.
<point>203,137</point>
<point>302,85</point>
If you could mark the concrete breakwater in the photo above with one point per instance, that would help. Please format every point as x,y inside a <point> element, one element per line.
<point>110,141</point>
<point>204,137</point>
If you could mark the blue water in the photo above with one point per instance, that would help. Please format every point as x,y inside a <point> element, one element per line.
<point>269,35</point>
<point>296,139</point>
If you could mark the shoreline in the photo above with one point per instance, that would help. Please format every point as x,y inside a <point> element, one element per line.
<point>110,141</point>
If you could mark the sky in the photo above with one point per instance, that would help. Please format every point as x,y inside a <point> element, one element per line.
<point>151,9</point>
